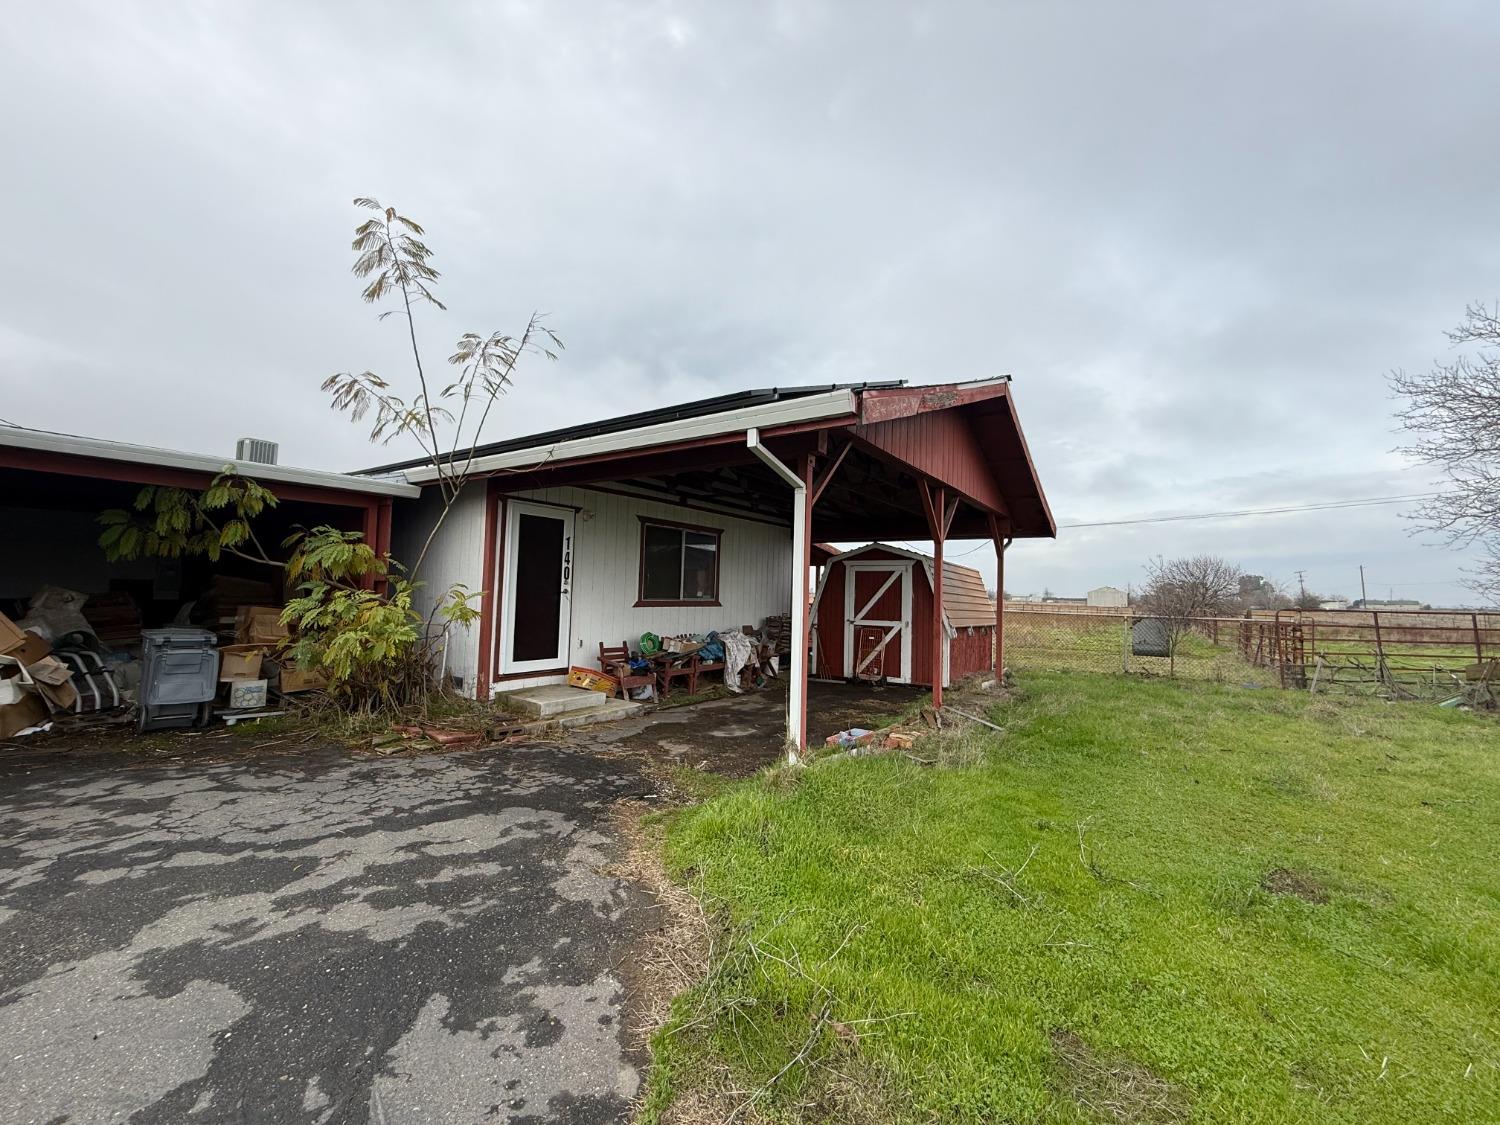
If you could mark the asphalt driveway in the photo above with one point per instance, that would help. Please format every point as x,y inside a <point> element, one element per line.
<point>316,939</point>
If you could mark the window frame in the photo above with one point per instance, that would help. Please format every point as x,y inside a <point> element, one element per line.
<point>640,588</point>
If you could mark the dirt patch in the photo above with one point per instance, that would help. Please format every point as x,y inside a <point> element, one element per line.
<point>678,948</point>
<point>118,745</point>
<point>740,735</point>
<point>1280,881</point>
<point>673,957</point>
<point>1115,1089</point>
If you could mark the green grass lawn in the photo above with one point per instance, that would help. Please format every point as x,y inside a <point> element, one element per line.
<point>1098,643</point>
<point>1150,901</point>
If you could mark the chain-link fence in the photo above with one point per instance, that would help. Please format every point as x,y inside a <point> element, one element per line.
<point>1400,655</point>
<point>1197,649</point>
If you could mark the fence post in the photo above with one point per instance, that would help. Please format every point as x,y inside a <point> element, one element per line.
<point>1478,644</point>
<point>1383,671</point>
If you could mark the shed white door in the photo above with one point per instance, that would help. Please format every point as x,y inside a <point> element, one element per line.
<point>877,620</point>
<point>538,588</point>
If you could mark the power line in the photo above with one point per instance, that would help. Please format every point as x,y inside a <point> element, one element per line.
<point>1321,506</point>
<point>1327,505</point>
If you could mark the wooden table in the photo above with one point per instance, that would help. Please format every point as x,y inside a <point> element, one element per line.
<point>669,666</point>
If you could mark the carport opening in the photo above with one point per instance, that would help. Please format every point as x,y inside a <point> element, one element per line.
<point>53,540</point>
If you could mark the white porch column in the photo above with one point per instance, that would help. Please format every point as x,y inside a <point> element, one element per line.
<point>796,696</point>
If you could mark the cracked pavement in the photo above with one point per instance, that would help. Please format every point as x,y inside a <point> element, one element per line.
<point>317,939</point>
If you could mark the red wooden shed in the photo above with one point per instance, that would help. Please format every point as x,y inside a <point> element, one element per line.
<point>873,618</point>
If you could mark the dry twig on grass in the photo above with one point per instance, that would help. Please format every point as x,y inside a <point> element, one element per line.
<point>1006,878</point>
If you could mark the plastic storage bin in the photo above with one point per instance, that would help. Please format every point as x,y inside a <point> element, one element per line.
<point>179,677</point>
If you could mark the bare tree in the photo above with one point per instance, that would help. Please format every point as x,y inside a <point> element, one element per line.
<point>1199,586</point>
<point>1180,592</point>
<point>1452,413</point>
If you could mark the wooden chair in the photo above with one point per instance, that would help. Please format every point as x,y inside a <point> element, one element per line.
<point>616,661</point>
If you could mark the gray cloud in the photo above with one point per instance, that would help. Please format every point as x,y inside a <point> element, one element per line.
<point>1197,235</point>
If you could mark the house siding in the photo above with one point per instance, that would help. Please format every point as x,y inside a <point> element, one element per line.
<point>456,556</point>
<point>754,573</point>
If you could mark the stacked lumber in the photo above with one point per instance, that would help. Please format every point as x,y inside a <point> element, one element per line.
<point>115,619</point>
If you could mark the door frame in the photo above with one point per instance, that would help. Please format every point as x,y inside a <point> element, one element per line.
<point>512,510</point>
<point>902,569</point>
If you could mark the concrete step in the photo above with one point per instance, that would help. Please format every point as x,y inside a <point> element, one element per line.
<point>608,711</point>
<point>556,701</point>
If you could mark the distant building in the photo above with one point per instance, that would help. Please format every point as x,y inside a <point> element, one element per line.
<point>1058,600</point>
<point>1380,603</point>
<point>1334,603</point>
<point>1109,596</point>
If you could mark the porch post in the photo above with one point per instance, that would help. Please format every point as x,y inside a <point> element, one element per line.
<point>370,530</point>
<point>999,598</point>
<point>940,503</point>
<point>939,518</point>
<point>799,480</point>
<point>489,600</point>
<point>801,620</point>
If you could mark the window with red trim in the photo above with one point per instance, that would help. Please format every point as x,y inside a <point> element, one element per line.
<point>679,564</point>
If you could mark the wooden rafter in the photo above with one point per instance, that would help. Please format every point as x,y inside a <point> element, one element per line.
<point>827,477</point>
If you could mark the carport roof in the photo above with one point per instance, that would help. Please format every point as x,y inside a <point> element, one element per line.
<point>18,442</point>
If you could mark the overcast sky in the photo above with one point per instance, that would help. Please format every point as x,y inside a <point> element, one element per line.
<point>1198,235</point>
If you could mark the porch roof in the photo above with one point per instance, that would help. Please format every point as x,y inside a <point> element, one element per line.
<point>872,443</point>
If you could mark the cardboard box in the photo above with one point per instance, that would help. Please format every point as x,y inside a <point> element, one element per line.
<point>259,625</point>
<point>48,670</point>
<point>53,680</point>
<point>12,636</point>
<point>27,712</point>
<point>49,680</point>
<point>59,697</point>
<point>32,649</point>
<point>293,679</point>
<point>240,662</point>
<point>247,694</point>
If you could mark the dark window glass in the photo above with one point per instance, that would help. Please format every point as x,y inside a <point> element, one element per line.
<point>700,567</point>
<point>679,565</point>
<point>661,564</point>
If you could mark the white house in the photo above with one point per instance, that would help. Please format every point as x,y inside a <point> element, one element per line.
<point>703,516</point>
<point>1108,596</point>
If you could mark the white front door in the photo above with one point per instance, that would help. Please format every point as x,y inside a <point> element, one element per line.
<point>877,621</point>
<point>537,588</point>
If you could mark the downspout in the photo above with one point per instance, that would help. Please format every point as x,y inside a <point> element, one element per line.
<point>796,696</point>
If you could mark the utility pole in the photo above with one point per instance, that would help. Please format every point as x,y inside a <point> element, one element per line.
<point>1364,598</point>
<point>1301,585</point>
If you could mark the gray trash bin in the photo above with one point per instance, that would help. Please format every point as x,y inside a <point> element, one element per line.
<point>1150,636</point>
<point>179,677</point>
